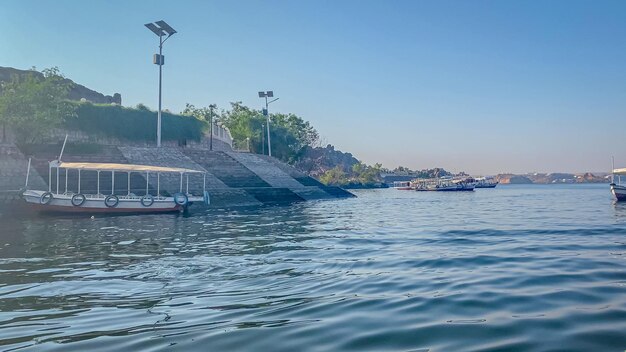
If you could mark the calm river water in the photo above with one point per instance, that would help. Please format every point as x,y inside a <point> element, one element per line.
<point>532,268</point>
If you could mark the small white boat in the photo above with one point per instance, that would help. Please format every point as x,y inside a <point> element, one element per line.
<point>74,201</point>
<point>444,184</point>
<point>618,190</point>
<point>403,185</point>
<point>486,182</point>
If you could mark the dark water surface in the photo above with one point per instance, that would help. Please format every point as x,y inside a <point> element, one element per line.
<point>515,268</point>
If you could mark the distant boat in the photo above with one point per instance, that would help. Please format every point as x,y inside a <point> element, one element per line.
<point>617,189</point>
<point>486,182</point>
<point>402,185</point>
<point>445,184</point>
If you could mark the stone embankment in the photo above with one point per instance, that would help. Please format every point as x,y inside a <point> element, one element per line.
<point>232,179</point>
<point>13,166</point>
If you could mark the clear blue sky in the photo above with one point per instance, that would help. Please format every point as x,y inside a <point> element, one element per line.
<point>480,86</point>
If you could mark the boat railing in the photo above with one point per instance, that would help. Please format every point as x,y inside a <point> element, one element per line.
<point>119,196</point>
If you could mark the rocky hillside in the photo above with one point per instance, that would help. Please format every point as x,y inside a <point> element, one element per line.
<point>77,92</point>
<point>316,161</point>
<point>556,177</point>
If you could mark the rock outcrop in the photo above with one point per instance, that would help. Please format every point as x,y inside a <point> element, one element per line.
<point>78,92</point>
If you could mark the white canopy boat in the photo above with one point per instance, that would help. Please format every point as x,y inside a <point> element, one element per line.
<point>403,185</point>
<point>444,184</point>
<point>486,182</point>
<point>70,201</point>
<point>618,190</point>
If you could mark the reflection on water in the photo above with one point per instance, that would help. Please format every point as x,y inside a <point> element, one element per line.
<point>515,268</point>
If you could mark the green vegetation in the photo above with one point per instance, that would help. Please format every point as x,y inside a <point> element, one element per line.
<point>33,104</point>
<point>425,173</point>
<point>137,124</point>
<point>360,175</point>
<point>290,134</point>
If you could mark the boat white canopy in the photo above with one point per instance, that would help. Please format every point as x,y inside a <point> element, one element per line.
<point>621,172</point>
<point>124,167</point>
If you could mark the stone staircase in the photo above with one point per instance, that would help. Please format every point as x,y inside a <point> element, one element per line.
<point>274,195</point>
<point>267,171</point>
<point>306,180</point>
<point>237,176</point>
<point>270,170</point>
<point>228,170</point>
<point>299,176</point>
<point>171,157</point>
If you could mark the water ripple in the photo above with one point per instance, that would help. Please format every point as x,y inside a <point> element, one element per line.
<point>515,268</point>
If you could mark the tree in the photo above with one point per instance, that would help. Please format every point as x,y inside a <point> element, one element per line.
<point>243,123</point>
<point>334,176</point>
<point>199,113</point>
<point>32,104</point>
<point>289,133</point>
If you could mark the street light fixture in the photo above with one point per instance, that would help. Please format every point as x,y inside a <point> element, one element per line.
<point>161,29</point>
<point>211,108</point>
<point>268,94</point>
<point>263,138</point>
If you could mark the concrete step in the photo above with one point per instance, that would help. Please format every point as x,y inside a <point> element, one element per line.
<point>171,157</point>
<point>337,192</point>
<point>232,197</point>
<point>299,176</point>
<point>267,171</point>
<point>312,193</point>
<point>274,195</point>
<point>226,169</point>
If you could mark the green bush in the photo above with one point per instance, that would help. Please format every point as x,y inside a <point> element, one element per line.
<point>133,124</point>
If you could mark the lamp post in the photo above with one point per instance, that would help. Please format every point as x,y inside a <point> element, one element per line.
<point>268,94</point>
<point>161,29</point>
<point>211,108</point>
<point>263,138</point>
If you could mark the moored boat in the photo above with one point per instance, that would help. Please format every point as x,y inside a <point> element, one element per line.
<point>444,184</point>
<point>66,200</point>
<point>403,185</point>
<point>486,182</point>
<point>618,190</point>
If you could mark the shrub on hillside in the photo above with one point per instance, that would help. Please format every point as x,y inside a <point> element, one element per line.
<point>133,124</point>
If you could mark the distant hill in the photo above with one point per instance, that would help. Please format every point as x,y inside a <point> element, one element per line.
<point>513,179</point>
<point>556,177</point>
<point>77,92</point>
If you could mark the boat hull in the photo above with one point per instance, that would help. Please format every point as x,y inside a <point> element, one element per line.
<point>619,192</point>
<point>447,189</point>
<point>62,203</point>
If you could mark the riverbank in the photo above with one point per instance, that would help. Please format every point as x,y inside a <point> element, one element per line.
<point>233,179</point>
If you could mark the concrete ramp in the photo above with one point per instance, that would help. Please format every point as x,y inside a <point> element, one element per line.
<point>282,175</point>
<point>268,172</point>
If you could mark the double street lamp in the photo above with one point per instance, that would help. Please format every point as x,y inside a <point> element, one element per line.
<point>268,94</point>
<point>161,29</point>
